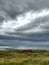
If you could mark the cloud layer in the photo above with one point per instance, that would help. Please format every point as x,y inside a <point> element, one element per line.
<point>26,24</point>
<point>25,20</point>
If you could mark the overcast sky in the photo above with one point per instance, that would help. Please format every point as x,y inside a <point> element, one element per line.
<point>24,23</point>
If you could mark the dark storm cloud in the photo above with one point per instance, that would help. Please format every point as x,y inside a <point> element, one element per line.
<point>32,37</point>
<point>12,44</point>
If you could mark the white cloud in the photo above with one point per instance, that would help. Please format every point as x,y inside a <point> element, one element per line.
<point>22,21</point>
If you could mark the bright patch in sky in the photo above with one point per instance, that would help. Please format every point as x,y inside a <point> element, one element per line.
<point>24,21</point>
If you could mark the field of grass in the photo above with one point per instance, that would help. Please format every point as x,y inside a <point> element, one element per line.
<point>17,57</point>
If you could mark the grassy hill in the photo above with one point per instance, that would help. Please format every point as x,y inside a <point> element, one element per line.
<point>17,57</point>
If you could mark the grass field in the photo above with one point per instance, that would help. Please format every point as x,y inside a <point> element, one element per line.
<point>17,57</point>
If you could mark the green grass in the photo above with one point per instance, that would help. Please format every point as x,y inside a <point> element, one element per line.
<point>17,57</point>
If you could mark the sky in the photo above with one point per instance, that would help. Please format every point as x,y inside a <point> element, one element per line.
<point>24,24</point>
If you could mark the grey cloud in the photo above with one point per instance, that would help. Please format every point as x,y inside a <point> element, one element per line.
<point>9,9</point>
<point>33,37</point>
<point>13,43</point>
<point>16,7</point>
<point>23,44</point>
